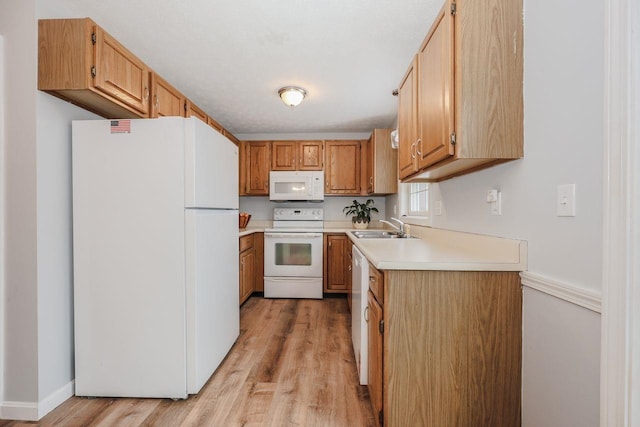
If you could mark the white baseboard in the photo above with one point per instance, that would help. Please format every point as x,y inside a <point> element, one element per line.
<point>579,296</point>
<point>32,411</point>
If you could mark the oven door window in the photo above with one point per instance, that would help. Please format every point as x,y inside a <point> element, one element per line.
<point>293,254</point>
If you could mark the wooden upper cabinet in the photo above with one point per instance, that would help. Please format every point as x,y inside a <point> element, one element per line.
<point>79,62</point>
<point>217,126</point>
<point>381,164</point>
<point>255,168</point>
<point>283,156</point>
<point>310,155</point>
<point>435,100</point>
<point>296,155</point>
<point>469,92</point>
<point>119,73</point>
<point>192,110</point>
<point>165,99</point>
<point>407,123</point>
<point>231,137</point>
<point>342,167</point>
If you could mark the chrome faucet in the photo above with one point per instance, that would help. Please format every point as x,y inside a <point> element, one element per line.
<point>399,227</point>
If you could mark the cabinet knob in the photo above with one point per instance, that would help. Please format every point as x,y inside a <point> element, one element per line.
<point>366,314</point>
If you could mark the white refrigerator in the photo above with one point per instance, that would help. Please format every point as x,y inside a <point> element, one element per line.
<point>155,252</point>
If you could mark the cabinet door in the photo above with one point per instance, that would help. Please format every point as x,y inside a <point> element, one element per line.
<point>258,160</point>
<point>120,74</point>
<point>247,270</point>
<point>382,164</point>
<point>435,84</point>
<point>165,99</point>
<point>192,110</point>
<point>217,126</point>
<point>342,167</point>
<point>258,247</point>
<point>348,259</point>
<point>335,263</point>
<point>368,159</point>
<point>407,122</point>
<point>375,355</point>
<point>283,156</point>
<point>310,155</point>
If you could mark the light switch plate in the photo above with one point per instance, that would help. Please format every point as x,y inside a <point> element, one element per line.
<point>566,200</point>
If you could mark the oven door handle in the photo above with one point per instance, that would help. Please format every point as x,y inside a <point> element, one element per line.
<point>293,235</point>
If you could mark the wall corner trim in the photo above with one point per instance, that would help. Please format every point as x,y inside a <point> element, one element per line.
<point>34,411</point>
<point>580,296</point>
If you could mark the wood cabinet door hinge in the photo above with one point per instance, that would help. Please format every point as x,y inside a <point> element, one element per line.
<point>381,326</point>
<point>452,138</point>
<point>93,38</point>
<point>93,71</point>
<point>453,9</point>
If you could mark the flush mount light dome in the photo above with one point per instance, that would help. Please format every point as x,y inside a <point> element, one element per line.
<point>292,95</point>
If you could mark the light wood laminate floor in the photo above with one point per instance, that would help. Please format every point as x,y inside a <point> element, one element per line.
<point>293,365</point>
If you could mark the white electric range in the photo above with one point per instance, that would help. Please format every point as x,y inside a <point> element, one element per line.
<point>293,254</point>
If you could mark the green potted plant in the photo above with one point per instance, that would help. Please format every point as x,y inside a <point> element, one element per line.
<point>360,213</point>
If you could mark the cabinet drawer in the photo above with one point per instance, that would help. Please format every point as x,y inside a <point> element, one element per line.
<point>376,283</point>
<point>246,242</point>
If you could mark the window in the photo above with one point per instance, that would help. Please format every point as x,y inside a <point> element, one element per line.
<point>413,200</point>
<point>418,199</point>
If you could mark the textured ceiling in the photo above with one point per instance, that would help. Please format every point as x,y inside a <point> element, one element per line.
<point>230,57</point>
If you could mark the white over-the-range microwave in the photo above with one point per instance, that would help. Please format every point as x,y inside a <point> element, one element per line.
<point>296,185</point>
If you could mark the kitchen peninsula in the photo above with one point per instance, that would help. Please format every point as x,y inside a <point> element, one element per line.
<point>444,314</point>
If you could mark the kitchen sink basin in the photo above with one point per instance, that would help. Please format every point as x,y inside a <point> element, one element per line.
<point>377,234</point>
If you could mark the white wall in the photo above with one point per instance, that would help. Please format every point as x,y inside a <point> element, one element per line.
<point>563,93</point>
<point>38,288</point>
<point>55,250</point>
<point>17,26</point>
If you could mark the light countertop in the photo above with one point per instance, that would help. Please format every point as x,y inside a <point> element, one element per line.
<point>437,249</point>
<point>433,249</point>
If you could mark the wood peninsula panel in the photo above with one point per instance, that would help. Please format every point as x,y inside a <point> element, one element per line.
<point>452,348</point>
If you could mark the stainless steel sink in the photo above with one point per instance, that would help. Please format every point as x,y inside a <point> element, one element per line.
<point>377,234</point>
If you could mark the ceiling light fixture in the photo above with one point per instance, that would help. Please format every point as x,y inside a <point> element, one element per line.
<point>292,95</point>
